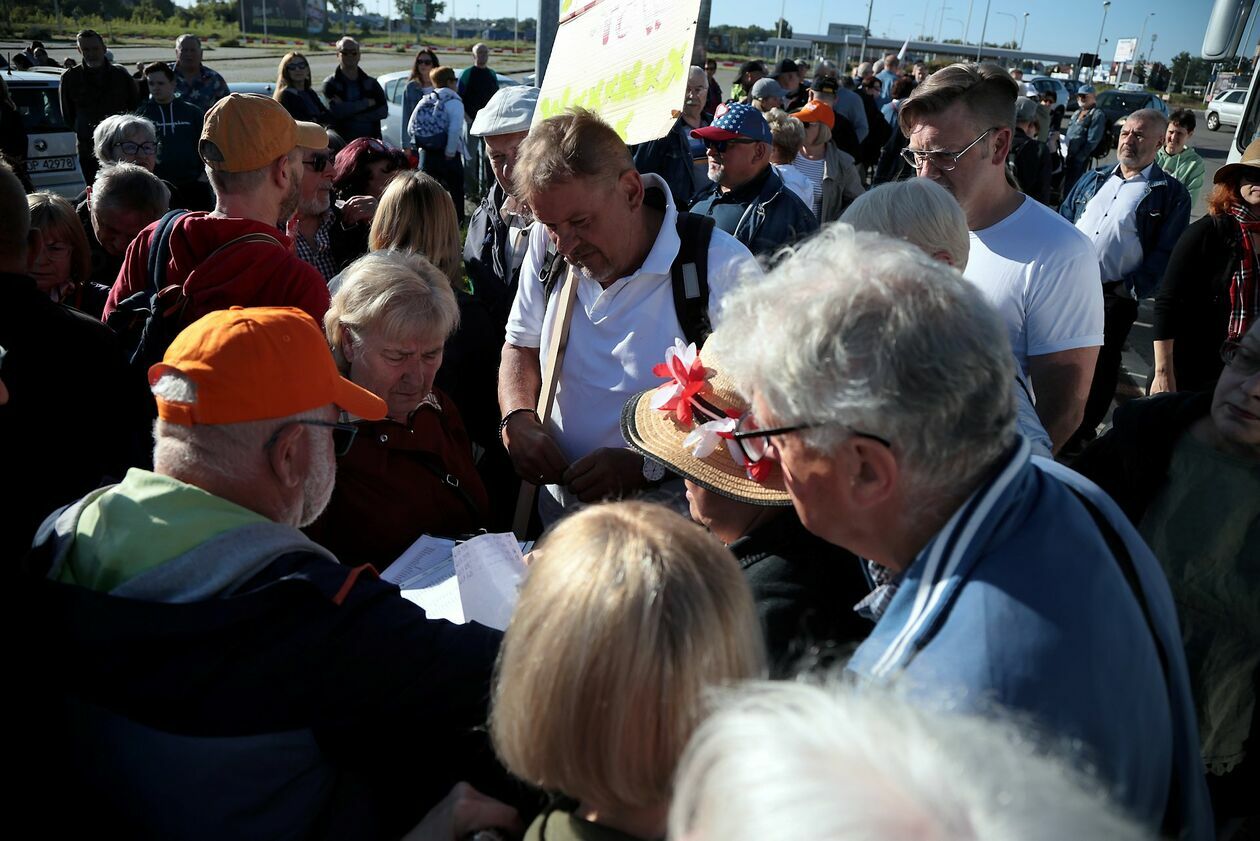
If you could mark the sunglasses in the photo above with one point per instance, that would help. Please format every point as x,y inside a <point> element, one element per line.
<point>426,61</point>
<point>319,161</point>
<point>342,434</point>
<point>298,65</point>
<point>720,145</point>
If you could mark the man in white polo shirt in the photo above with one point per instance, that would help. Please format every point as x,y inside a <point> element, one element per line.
<point>620,232</point>
<point>1037,270</point>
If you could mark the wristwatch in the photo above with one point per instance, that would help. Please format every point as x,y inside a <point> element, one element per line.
<point>653,471</point>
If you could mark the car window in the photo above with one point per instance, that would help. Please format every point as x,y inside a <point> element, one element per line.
<point>1043,85</point>
<point>393,90</point>
<point>39,107</point>
<point>1121,101</point>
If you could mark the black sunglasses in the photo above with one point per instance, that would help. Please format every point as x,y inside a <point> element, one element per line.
<point>342,434</point>
<point>319,162</point>
<point>298,65</point>
<point>427,61</point>
<point>720,145</point>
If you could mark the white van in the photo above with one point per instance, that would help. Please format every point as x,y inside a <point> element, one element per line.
<point>52,150</point>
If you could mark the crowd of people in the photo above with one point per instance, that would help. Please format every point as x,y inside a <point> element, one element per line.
<point>804,402</point>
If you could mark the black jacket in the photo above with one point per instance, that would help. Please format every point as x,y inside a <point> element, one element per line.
<point>359,117</point>
<point>763,214</point>
<point>487,260</point>
<point>1030,163</point>
<point>1131,461</point>
<point>805,590</point>
<point>306,106</point>
<point>1192,307</point>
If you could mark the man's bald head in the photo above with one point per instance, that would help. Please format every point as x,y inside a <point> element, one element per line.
<point>15,223</point>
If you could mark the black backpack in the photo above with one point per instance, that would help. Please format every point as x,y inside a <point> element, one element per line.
<point>689,275</point>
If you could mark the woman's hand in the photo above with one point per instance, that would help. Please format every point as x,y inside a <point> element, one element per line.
<point>358,209</point>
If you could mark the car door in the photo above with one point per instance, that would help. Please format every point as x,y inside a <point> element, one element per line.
<point>1232,107</point>
<point>52,150</point>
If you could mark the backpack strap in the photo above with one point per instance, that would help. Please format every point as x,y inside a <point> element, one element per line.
<point>552,271</point>
<point>160,250</point>
<point>689,275</point>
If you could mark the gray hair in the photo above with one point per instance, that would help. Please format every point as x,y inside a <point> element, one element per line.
<point>788,132</point>
<point>480,49</point>
<point>125,186</point>
<point>859,331</point>
<point>226,450</point>
<point>1151,116</point>
<point>392,294</point>
<point>114,129</point>
<point>185,37</point>
<point>831,762</point>
<point>918,210</point>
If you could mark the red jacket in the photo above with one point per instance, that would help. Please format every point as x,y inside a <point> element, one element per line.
<point>256,274</point>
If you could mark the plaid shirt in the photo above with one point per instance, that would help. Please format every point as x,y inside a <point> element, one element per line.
<point>883,587</point>
<point>318,254</point>
<point>203,91</point>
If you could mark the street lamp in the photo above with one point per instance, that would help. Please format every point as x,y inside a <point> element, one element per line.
<point>1024,34</point>
<point>983,29</point>
<point>1014,26</point>
<point>1141,36</point>
<point>941,22</point>
<point>1098,48</point>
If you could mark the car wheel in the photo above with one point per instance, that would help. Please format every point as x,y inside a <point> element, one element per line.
<point>1213,121</point>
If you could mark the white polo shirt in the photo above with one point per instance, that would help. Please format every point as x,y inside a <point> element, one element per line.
<point>1110,222</point>
<point>1041,274</point>
<point>618,334</point>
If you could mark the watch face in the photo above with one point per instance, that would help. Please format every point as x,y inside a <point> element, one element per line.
<point>653,471</point>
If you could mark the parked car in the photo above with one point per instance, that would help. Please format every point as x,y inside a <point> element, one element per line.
<point>1035,86</point>
<point>393,127</point>
<point>1118,105</point>
<point>1072,86</point>
<point>1131,86</point>
<point>52,150</point>
<point>1226,108</point>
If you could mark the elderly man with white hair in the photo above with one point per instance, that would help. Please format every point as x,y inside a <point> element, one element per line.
<point>829,762</point>
<point>880,380</point>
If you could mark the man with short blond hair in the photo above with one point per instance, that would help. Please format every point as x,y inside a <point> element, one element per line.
<point>1037,270</point>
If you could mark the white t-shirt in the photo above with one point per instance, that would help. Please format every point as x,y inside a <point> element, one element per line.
<point>798,183</point>
<point>1041,274</point>
<point>618,334</point>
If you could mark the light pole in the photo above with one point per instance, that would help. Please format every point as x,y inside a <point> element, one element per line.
<point>1023,34</point>
<point>870,4</point>
<point>983,29</point>
<point>779,47</point>
<point>1102,26</point>
<point>1141,37</point>
<point>1014,25</point>
<point>940,23</point>
<point>967,26</point>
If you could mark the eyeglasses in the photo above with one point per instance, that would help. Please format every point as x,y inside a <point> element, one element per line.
<point>298,65</point>
<point>319,162</point>
<point>426,61</point>
<point>1242,360</point>
<point>754,442</point>
<point>941,160</point>
<point>130,148</point>
<point>720,145</point>
<point>342,434</point>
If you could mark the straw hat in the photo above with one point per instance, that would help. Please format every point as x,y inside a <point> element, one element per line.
<point>1250,159</point>
<point>659,433</point>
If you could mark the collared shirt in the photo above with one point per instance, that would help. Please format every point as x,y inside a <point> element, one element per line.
<point>319,252</point>
<point>1110,221</point>
<point>203,91</point>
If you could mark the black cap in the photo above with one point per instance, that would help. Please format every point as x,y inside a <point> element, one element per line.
<point>787,65</point>
<point>825,84</point>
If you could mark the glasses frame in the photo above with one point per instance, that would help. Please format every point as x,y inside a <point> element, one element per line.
<point>739,436</point>
<point>149,147</point>
<point>911,156</point>
<point>720,146</point>
<point>349,431</point>
<point>1229,354</point>
<point>320,162</point>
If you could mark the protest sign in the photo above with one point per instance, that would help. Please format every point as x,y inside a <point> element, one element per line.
<point>626,60</point>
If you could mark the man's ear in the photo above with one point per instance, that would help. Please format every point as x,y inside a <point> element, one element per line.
<point>280,172</point>
<point>289,455</point>
<point>630,184</point>
<point>34,246</point>
<point>874,474</point>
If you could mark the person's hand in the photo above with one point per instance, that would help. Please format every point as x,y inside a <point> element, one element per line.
<point>462,812</point>
<point>534,453</point>
<point>607,472</point>
<point>1163,381</point>
<point>358,209</point>
<point>291,229</point>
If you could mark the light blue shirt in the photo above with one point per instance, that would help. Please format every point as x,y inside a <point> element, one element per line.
<point>1110,221</point>
<point>849,105</point>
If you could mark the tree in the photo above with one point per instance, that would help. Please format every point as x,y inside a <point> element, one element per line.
<point>345,9</point>
<point>431,10</point>
<point>782,26</point>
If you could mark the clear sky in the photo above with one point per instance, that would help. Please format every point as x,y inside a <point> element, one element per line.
<point>1066,27</point>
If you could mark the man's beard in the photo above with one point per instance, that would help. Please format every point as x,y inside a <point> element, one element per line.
<point>289,205</point>
<point>318,487</point>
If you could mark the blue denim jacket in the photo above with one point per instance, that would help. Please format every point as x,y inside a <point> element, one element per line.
<point>1162,216</point>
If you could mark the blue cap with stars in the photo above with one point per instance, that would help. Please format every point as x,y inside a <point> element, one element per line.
<point>738,120</point>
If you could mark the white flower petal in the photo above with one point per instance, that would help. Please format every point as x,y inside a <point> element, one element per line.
<point>664,394</point>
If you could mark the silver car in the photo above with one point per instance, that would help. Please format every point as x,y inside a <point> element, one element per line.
<point>1226,108</point>
<point>52,150</point>
<point>394,126</point>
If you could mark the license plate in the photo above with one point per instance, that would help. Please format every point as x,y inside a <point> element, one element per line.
<point>62,164</point>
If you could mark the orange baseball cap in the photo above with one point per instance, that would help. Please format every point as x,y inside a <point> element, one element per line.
<point>246,131</point>
<point>816,111</point>
<point>257,363</point>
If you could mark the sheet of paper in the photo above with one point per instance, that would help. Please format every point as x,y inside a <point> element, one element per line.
<point>489,569</point>
<point>441,601</point>
<point>425,563</point>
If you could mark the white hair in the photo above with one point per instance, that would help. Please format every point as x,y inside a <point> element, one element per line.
<point>856,331</point>
<point>837,764</point>
<point>1150,115</point>
<point>127,186</point>
<point>918,210</point>
<point>114,129</point>
<point>228,450</point>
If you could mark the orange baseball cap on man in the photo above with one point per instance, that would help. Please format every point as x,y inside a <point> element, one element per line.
<point>816,111</point>
<point>245,131</point>
<point>257,363</point>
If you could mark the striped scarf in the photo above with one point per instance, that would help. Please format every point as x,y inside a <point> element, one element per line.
<point>1244,291</point>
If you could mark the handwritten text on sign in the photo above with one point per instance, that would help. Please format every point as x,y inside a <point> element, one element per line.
<point>626,60</point>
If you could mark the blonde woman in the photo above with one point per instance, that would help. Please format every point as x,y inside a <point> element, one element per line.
<point>64,263</point>
<point>416,214</point>
<point>294,91</point>
<point>629,614</point>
